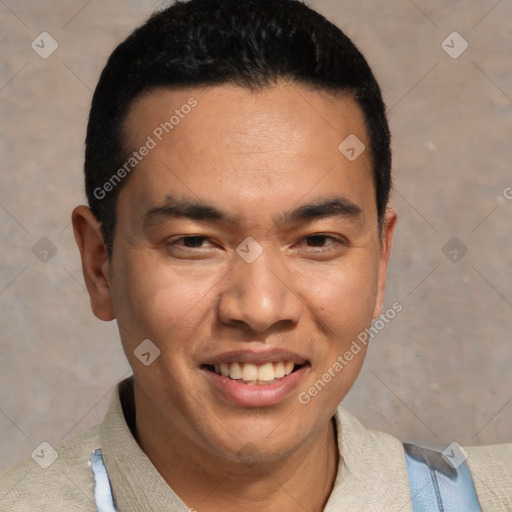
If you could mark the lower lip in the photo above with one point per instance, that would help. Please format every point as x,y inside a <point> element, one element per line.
<point>257,395</point>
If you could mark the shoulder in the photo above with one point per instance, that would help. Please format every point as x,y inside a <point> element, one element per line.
<point>370,451</point>
<point>491,468</point>
<point>61,481</point>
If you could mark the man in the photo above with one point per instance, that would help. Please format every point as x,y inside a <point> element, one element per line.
<point>238,169</point>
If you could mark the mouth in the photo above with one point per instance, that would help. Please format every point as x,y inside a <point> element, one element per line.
<point>255,374</point>
<point>252,380</point>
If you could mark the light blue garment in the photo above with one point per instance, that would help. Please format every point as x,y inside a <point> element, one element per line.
<point>437,486</point>
<point>102,490</point>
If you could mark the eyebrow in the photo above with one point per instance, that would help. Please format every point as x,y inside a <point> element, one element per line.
<point>203,212</point>
<point>184,208</point>
<point>335,207</point>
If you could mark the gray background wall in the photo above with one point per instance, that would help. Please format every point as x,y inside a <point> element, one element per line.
<point>440,371</point>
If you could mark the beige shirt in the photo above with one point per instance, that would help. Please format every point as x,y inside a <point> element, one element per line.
<point>372,474</point>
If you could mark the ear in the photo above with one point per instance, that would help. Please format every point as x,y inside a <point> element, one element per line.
<point>95,264</point>
<point>388,229</point>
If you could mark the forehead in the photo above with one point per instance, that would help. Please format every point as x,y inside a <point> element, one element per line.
<point>237,146</point>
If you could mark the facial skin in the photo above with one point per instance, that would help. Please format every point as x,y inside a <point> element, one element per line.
<point>255,157</point>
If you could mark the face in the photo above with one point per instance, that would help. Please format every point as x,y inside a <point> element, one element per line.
<point>247,251</point>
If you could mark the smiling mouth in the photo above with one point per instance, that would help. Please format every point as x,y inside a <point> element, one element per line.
<point>254,374</point>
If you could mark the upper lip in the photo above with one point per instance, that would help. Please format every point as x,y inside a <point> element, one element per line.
<point>256,357</point>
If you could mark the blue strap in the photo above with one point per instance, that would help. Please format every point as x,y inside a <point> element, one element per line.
<point>102,490</point>
<point>437,486</point>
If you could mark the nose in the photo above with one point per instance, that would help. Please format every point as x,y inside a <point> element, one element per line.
<point>260,296</point>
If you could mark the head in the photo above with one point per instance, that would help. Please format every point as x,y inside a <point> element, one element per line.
<point>239,231</point>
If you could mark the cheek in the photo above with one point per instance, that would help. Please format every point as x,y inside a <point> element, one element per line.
<point>158,302</point>
<point>342,295</point>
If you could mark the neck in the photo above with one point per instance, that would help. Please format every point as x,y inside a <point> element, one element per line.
<point>208,481</point>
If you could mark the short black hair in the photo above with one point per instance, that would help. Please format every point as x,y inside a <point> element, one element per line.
<point>251,43</point>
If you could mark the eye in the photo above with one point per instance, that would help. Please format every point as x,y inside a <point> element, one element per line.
<point>190,246</point>
<point>193,242</point>
<point>319,240</point>
<point>321,243</point>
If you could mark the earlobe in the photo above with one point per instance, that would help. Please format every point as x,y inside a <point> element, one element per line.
<point>388,230</point>
<point>95,264</point>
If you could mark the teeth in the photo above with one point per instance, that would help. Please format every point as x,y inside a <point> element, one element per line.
<point>279,370</point>
<point>266,372</point>
<point>249,372</point>
<point>235,371</point>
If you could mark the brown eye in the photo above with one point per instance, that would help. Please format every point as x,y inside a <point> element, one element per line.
<point>321,245</point>
<point>318,240</point>
<point>193,241</point>
<point>192,247</point>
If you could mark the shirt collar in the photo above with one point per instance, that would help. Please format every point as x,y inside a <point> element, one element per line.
<point>136,484</point>
<point>371,475</point>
